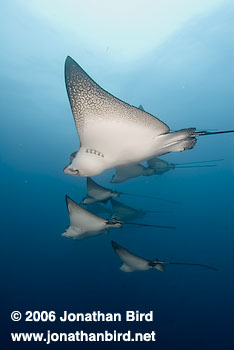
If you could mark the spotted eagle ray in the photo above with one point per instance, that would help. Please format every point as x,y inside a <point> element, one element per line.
<point>98,208</point>
<point>160,166</point>
<point>124,213</point>
<point>156,166</point>
<point>130,171</point>
<point>84,224</point>
<point>114,133</point>
<point>132,262</point>
<point>98,193</point>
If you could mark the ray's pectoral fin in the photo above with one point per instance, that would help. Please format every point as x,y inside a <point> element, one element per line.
<point>71,232</point>
<point>126,268</point>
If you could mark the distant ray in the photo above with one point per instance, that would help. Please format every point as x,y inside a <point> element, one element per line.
<point>132,262</point>
<point>125,213</point>
<point>98,208</point>
<point>130,171</point>
<point>97,193</point>
<point>84,224</point>
<point>160,166</point>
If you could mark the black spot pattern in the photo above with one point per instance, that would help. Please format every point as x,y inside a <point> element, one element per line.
<point>89,101</point>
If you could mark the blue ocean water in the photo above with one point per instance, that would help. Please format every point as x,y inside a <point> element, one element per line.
<point>186,82</point>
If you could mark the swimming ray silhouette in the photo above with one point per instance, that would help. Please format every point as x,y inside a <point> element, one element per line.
<point>84,224</point>
<point>161,166</point>
<point>130,171</point>
<point>123,212</point>
<point>98,193</point>
<point>98,208</point>
<point>132,262</point>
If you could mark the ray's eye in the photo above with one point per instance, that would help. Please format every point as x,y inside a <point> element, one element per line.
<point>114,221</point>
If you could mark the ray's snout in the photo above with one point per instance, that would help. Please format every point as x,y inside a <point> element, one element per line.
<point>71,171</point>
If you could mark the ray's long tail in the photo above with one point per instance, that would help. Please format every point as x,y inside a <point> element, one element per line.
<point>199,162</point>
<point>195,166</point>
<point>192,264</point>
<point>204,133</point>
<point>151,197</point>
<point>148,225</point>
